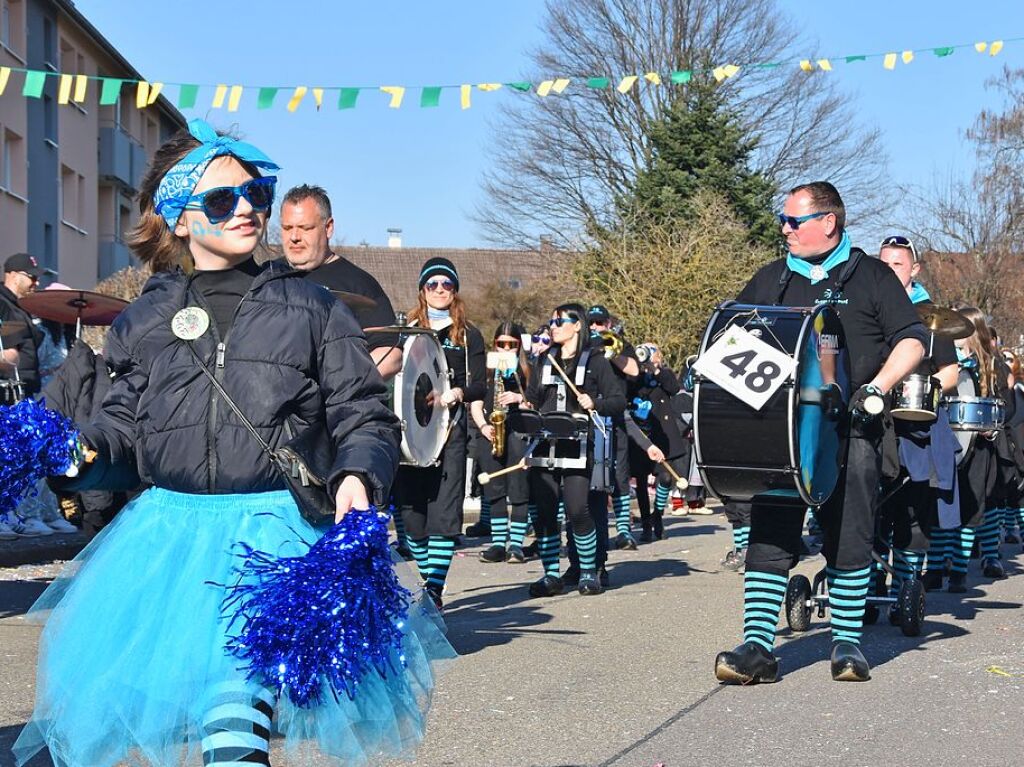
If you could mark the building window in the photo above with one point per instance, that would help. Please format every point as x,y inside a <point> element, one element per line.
<point>72,198</point>
<point>13,168</point>
<point>49,45</point>
<point>49,252</point>
<point>12,26</point>
<point>49,119</point>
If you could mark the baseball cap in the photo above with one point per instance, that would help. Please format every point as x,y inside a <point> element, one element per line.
<point>23,262</point>
<point>598,313</point>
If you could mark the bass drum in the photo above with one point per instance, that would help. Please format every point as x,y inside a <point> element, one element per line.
<point>416,399</point>
<point>791,450</point>
<point>966,386</point>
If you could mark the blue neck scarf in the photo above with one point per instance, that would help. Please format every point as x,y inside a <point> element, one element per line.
<point>180,181</point>
<point>438,314</point>
<point>818,272</point>
<point>918,293</point>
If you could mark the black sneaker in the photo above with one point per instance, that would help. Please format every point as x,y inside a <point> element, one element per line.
<point>530,551</point>
<point>749,663</point>
<point>493,553</point>
<point>590,583</point>
<point>735,559</point>
<point>479,530</point>
<point>433,593</point>
<point>515,554</point>
<point>605,579</point>
<point>646,535</point>
<point>993,568</point>
<point>625,541</point>
<point>849,663</point>
<point>571,576</point>
<point>403,552</point>
<point>659,527</point>
<point>932,580</point>
<point>548,586</point>
<point>957,583</point>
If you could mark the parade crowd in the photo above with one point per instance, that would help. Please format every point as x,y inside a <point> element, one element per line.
<point>577,437</point>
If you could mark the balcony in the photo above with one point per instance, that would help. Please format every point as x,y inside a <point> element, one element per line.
<point>122,160</point>
<point>114,256</point>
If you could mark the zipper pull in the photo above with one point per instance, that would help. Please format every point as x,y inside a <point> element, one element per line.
<point>220,354</point>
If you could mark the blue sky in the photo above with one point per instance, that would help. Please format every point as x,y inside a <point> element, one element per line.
<point>419,169</point>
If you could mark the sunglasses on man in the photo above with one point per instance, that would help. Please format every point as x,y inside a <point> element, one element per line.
<point>219,203</point>
<point>435,285</point>
<point>795,221</point>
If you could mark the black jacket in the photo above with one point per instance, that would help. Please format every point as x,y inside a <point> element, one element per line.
<point>26,341</point>
<point>662,425</point>
<point>600,382</point>
<point>292,354</point>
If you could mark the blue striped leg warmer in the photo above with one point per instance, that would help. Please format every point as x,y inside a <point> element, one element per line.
<point>547,549</point>
<point>740,537</point>
<point>661,493</point>
<point>763,595</point>
<point>961,551</point>
<point>622,522</point>
<point>847,595</point>
<point>988,534</point>
<point>907,565</point>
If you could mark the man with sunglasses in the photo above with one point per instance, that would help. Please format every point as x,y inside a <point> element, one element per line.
<point>885,342</point>
<point>20,358</point>
<point>927,450</point>
<point>307,226</point>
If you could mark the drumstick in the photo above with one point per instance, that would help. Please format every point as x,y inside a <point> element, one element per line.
<point>681,483</point>
<point>485,477</point>
<point>578,393</point>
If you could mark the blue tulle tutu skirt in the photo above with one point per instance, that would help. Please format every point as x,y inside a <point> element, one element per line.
<point>132,653</point>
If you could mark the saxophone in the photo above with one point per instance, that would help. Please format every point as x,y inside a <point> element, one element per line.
<point>498,415</point>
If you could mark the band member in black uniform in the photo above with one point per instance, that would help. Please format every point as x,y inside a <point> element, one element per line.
<point>601,396</point>
<point>430,499</point>
<point>19,360</point>
<point>622,355</point>
<point>885,342</point>
<point>507,494</point>
<point>652,392</point>
<point>921,506</point>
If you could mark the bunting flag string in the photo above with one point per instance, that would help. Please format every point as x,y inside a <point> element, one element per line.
<point>73,87</point>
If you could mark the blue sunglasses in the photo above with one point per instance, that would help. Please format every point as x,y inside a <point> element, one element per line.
<point>795,221</point>
<point>219,203</point>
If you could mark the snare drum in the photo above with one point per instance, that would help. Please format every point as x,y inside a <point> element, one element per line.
<point>416,399</point>
<point>975,413</point>
<point>791,450</point>
<point>916,398</point>
<point>966,387</point>
<point>11,392</point>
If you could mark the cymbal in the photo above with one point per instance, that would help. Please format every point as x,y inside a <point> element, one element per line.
<point>68,307</point>
<point>12,328</point>
<point>407,329</point>
<point>945,322</point>
<point>354,300</point>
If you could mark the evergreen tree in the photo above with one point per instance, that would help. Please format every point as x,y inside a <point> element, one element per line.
<point>698,144</point>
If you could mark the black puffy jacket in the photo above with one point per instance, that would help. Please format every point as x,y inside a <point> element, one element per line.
<point>292,354</point>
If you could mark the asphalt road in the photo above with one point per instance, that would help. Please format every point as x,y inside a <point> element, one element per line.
<point>626,679</point>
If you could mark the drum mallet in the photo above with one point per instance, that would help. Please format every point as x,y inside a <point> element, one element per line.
<point>681,483</point>
<point>483,478</point>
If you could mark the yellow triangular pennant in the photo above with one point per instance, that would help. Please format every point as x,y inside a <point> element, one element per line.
<point>489,86</point>
<point>397,93</point>
<point>545,88</point>
<point>995,48</point>
<point>64,89</point>
<point>218,96</point>
<point>560,84</point>
<point>296,99</point>
<point>980,47</point>
<point>465,96</point>
<point>234,98</point>
<point>5,75</point>
<point>653,78</point>
<point>627,83</point>
<point>318,97</point>
<point>825,64</point>
<point>806,65</point>
<point>907,56</point>
<point>889,62</point>
<point>81,84</point>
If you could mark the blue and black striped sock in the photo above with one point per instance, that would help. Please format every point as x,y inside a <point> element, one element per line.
<point>418,547</point>
<point>547,549</point>
<point>907,566</point>
<point>485,511</point>
<point>586,550</point>
<point>400,536</point>
<point>499,531</point>
<point>622,522</point>
<point>236,726</point>
<point>561,513</point>
<point>847,596</point>
<point>531,514</point>
<point>1010,519</point>
<point>939,548</point>
<point>740,537</point>
<point>988,534</point>
<point>440,551</point>
<point>763,595</point>
<point>961,550</point>
<point>1020,519</point>
<point>661,493</point>
<point>517,526</point>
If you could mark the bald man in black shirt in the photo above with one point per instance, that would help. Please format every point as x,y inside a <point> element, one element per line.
<point>885,342</point>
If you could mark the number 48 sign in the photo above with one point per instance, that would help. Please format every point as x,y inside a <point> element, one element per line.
<point>745,366</point>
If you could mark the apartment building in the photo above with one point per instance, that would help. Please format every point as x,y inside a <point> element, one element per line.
<point>69,173</point>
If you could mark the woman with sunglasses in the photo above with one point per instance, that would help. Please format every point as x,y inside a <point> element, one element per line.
<point>430,499</point>
<point>508,494</point>
<point>146,598</point>
<point>602,394</point>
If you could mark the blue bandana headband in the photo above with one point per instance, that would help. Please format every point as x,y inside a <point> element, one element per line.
<point>180,181</point>
<point>818,272</point>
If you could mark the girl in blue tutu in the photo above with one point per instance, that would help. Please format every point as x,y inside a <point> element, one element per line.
<point>132,659</point>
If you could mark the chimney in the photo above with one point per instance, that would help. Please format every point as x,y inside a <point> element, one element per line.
<point>547,244</point>
<point>394,238</point>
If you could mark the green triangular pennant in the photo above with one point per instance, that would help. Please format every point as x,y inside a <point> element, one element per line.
<point>347,98</point>
<point>265,98</point>
<point>187,95</point>
<point>682,76</point>
<point>945,51</point>
<point>34,82</point>
<point>522,87</point>
<point>851,59</point>
<point>600,83</point>
<point>110,91</point>
<point>430,97</point>
<point>768,65</point>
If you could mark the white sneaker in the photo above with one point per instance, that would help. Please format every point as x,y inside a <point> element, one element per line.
<point>61,525</point>
<point>30,528</point>
<point>6,531</point>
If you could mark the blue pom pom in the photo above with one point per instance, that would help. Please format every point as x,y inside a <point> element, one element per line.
<point>323,620</point>
<point>35,443</point>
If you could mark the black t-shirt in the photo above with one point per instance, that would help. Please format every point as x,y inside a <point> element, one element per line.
<point>475,388</point>
<point>223,290</point>
<point>342,274</point>
<point>874,309</point>
<point>26,340</point>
